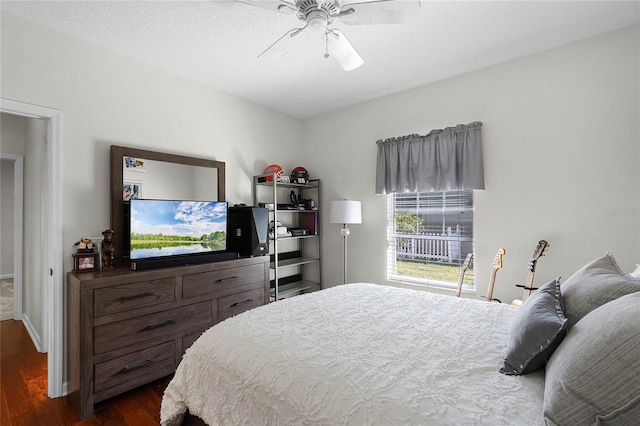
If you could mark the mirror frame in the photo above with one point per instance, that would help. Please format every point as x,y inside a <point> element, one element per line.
<point>117,216</point>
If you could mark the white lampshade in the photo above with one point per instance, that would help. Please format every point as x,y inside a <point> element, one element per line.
<point>345,211</point>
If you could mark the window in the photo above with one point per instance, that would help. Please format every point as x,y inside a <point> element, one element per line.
<point>429,235</point>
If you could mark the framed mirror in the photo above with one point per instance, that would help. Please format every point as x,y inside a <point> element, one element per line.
<point>139,173</point>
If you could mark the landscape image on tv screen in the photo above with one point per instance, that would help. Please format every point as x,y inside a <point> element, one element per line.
<point>167,228</point>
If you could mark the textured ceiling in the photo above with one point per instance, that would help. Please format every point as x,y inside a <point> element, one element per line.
<point>216,42</point>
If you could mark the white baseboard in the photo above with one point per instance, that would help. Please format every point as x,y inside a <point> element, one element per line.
<point>35,337</point>
<point>6,276</point>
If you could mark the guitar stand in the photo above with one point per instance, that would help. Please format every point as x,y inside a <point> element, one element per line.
<point>527,288</point>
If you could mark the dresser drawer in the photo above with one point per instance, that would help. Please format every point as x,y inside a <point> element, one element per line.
<point>173,322</point>
<point>127,372</point>
<point>188,340</point>
<point>235,304</point>
<point>133,296</point>
<point>209,282</point>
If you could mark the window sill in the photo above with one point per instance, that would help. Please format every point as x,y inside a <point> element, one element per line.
<point>421,284</point>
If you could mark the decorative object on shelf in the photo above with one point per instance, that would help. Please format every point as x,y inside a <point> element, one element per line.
<point>85,262</point>
<point>280,230</point>
<point>345,212</point>
<point>299,175</point>
<point>108,248</point>
<point>84,245</point>
<point>301,203</point>
<point>298,232</point>
<point>270,170</point>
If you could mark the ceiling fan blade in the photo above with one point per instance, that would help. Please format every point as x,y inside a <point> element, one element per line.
<point>380,12</point>
<point>274,5</point>
<point>343,50</point>
<point>284,44</point>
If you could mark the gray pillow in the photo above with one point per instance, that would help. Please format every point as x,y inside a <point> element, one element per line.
<point>593,377</point>
<point>598,282</point>
<point>535,331</point>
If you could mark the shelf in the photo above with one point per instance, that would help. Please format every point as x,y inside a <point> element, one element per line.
<point>291,276</point>
<point>293,262</point>
<point>294,287</point>
<point>296,237</point>
<point>313,184</point>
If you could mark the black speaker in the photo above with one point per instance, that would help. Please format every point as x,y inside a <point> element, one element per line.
<point>189,259</point>
<point>247,230</point>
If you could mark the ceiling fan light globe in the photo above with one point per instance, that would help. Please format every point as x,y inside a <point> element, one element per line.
<point>317,22</point>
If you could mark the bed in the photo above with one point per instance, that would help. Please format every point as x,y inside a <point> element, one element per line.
<point>367,354</point>
<point>356,354</point>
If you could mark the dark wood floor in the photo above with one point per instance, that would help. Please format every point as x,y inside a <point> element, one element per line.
<point>23,390</point>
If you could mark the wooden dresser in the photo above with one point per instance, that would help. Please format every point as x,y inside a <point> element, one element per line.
<point>126,328</point>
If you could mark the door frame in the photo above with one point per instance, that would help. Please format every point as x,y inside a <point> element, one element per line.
<point>52,274</point>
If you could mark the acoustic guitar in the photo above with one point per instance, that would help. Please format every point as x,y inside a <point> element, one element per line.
<point>463,270</point>
<point>495,267</point>
<point>540,250</point>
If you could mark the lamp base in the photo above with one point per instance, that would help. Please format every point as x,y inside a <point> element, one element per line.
<point>345,233</point>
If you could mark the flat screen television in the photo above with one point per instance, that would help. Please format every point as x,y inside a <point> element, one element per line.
<point>169,228</point>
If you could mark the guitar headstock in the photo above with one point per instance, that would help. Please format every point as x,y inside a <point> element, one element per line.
<point>497,261</point>
<point>467,261</point>
<point>540,250</point>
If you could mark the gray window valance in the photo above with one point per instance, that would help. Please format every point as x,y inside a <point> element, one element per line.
<point>443,160</point>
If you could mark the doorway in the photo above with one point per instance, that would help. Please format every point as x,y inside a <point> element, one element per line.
<point>12,231</point>
<point>51,272</point>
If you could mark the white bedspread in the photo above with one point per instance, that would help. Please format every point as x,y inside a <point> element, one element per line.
<point>357,354</point>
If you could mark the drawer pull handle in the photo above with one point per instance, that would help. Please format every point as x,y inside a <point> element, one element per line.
<point>136,296</point>
<point>162,324</point>
<point>244,302</point>
<point>144,363</point>
<point>223,280</point>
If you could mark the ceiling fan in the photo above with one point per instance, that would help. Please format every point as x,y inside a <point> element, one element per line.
<point>318,15</point>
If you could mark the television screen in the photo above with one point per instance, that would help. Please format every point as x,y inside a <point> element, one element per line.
<point>160,228</point>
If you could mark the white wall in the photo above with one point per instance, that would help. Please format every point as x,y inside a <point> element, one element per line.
<point>561,150</point>
<point>108,99</point>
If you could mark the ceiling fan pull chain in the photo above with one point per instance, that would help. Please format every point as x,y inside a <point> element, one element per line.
<point>326,43</point>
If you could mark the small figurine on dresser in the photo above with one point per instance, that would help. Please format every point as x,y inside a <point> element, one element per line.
<point>108,247</point>
<point>84,245</point>
<point>85,259</point>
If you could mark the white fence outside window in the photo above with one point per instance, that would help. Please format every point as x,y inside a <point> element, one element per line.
<point>443,247</point>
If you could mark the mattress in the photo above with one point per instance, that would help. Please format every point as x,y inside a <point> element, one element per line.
<point>356,354</point>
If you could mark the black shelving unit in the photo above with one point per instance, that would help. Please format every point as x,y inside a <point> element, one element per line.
<point>295,260</point>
